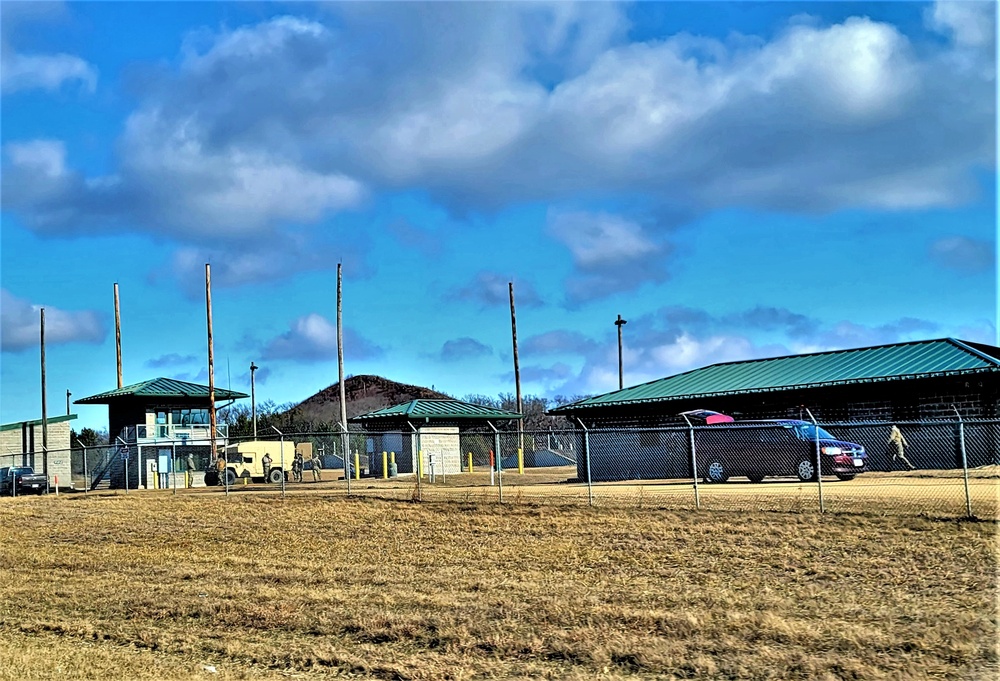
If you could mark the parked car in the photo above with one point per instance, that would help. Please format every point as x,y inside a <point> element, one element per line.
<point>781,447</point>
<point>16,480</point>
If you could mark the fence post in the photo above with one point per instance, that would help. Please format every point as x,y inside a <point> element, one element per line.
<point>173,464</point>
<point>694,465</point>
<point>416,468</point>
<point>965,462</point>
<point>819,469</point>
<point>86,477</point>
<point>586,461</point>
<point>499,463</point>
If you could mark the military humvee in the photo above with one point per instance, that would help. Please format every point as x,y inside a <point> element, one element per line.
<point>245,460</point>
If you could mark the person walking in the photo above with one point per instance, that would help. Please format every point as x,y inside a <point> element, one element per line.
<point>899,444</point>
<point>220,468</point>
<point>189,460</point>
<point>266,463</point>
<point>297,464</point>
<point>317,467</point>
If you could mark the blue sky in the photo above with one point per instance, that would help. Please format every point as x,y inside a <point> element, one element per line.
<point>736,180</point>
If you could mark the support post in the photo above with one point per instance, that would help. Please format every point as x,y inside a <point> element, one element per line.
<point>419,455</point>
<point>86,475</point>
<point>965,462</point>
<point>586,460</point>
<point>819,469</point>
<point>499,460</point>
<point>520,461</point>
<point>621,373</point>
<point>118,336</point>
<point>340,368</point>
<point>694,465</point>
<point>211,363</point>
<point>45,421</point>
<point>173,465</point>
<point>517,371</point>
<point>357,465</point>
<point>281,441</point>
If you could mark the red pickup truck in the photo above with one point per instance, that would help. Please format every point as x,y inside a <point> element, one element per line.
<point>15,480</point>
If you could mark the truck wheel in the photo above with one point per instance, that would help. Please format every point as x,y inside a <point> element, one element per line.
<point>230,478</point>
<point>275,476</point>
<point>211,479</point>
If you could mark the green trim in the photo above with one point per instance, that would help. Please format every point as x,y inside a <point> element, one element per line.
<point>876,364</point>
<point>438,410</point>
<point>161,388</point>
<point>37,422</point>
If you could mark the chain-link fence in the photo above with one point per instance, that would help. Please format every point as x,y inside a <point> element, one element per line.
<point>940,468</point>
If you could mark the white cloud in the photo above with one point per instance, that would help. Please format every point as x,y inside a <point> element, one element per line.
<point>969,22</point>
<point>314,338</point>
<point>964,254</point>
<point>611,254</point>
<point>290,120</point>
<point>45,71</point>
<point>599,239</point>
<point>20,323</point>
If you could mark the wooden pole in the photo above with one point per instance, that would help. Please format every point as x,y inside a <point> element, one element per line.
<point>211,357</point>
<point>45,423</point>
<point>340,366</point>
<point>118,336</point>
<point>517,371</point>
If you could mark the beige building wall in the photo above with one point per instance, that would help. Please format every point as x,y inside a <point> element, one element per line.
<point>12,443</point>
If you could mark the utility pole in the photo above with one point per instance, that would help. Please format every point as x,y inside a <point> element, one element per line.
<point>118,336</point>
<point>211,358</point>
<point>621,374</point>
<point>340,366</point>
<point>45,422</point>
<point>68,393</point>
<point>517,369</point>
<point>253,399</point>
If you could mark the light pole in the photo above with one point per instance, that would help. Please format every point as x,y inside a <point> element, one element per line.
<point>281,444</point>
<point>253,399</point>
<point>621,375</point>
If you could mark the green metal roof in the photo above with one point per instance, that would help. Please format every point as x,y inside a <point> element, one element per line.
<point>162,388</point>
<point>37,422</point>
<point>439,409</point>
<point>900,361</point>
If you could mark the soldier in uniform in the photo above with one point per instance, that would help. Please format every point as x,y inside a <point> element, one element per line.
<point>266,463</point>
<point>297,464</point>
<point>317,467</point>
<point>189,461</point>
<point>899,443</point>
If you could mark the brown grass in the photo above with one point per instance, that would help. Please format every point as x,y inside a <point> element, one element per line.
<point>149,586</point>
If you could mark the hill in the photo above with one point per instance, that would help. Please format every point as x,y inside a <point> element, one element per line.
<point>364,393</point>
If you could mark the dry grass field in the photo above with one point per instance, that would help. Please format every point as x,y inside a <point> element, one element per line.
<point>151,586</point>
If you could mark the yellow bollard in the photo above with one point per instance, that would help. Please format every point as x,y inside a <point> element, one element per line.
<point>470,462</point>
<point>392,457</point>
<point>385,466</point>
<point>357,466</point>
<point>246,481</point>
<point>520,461</point>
